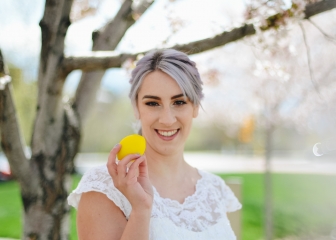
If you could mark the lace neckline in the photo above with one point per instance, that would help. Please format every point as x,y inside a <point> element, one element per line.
<point>187,199</point>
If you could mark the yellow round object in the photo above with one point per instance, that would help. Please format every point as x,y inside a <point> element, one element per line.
<point>132,144</point>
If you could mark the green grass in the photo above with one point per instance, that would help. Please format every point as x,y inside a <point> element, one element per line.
<point>11,210</point>
<point>303,204</point>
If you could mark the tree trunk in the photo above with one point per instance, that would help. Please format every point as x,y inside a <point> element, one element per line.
<point>46,212</point>
<point>55,136</point>
<point>45,178</point>
<point>106,38</point>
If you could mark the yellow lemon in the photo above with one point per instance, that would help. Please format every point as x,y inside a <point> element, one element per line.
<point>132,144</point>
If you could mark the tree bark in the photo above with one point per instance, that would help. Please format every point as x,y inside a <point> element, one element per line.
<point>45,178</point>
<point>48,122</point>
<point>55,137</point>
<point>12,142</point>
<point>107,38</point>
<point>46,212</point>
<point>99,61</point>
<point>319,7</point>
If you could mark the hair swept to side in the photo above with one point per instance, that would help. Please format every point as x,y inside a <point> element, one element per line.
<point>174,63</point>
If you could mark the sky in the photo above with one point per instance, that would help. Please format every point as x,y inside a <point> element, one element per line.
<point>20,38</point>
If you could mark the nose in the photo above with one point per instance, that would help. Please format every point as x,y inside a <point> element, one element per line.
<point>167,117</point>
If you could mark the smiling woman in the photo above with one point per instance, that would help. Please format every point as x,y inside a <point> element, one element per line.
<point>159,196</point>
<point>165,113</point>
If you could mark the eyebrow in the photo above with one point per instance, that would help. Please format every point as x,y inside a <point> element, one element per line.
<point>158,98</point>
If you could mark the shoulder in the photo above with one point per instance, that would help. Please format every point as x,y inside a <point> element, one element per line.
<point>99,221</point>
<point>211,178</point>
<point>214,181</point>
<point>99,180</point>
<point>96,179</point>
<point>226,194</point>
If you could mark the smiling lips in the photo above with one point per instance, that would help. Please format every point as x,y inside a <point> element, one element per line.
<point>167,134</point>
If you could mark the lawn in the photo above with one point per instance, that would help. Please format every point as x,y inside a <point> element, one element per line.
<point>303,205</point>
<point>11,206</point>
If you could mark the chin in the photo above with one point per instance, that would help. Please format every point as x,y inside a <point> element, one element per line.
<point>169,150</point>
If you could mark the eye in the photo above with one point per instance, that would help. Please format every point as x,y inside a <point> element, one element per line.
<point>152,104</point>
<point>179,102</point>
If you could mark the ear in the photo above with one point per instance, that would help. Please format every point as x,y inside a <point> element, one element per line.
<point>195,111</point>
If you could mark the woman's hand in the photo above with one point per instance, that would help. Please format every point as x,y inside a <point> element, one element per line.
<point>134,184</point>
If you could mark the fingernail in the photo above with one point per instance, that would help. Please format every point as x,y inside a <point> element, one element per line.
<point>117,145</point>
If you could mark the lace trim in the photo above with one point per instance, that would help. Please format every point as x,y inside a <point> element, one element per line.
<point>172,201</point>
<point>98,180</point>
<point>164,229</point>
<point>207,206</point>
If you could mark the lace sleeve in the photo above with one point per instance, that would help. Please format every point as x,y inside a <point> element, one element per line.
<point>99,180</point>
<point>231,202</point>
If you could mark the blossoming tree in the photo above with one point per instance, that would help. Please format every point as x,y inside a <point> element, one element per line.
<point>44,177</point>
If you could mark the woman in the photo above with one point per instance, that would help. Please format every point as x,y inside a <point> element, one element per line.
<point>160,196</point>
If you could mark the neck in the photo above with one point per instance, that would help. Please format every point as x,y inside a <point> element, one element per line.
<point>165,166</point>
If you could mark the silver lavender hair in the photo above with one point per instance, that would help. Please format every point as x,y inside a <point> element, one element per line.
<point>174,63</point>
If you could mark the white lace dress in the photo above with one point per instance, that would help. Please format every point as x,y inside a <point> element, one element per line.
<point>201,216</point>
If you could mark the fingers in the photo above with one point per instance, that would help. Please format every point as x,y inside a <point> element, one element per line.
<point>111,163</point>
<point>143,168</point>
<point>133,170</point>
<point>113,153</point>
<point>122,164</point>
<point>118,171</point>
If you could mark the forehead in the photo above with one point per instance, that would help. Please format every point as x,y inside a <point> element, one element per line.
<point>159,83</point>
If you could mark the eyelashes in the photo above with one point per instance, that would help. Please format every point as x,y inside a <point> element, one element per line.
<point>152,104</point>
<point>176,103</point>
<point>180,102</point>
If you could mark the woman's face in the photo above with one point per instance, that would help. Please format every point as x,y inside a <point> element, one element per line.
<point>165,115</point>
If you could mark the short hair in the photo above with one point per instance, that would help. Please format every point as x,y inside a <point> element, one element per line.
<point>174,63</point>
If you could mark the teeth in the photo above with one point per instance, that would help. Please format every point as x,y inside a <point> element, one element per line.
<point>167,133</point>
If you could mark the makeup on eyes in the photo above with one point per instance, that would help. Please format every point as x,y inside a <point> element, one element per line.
<point>178,102</point>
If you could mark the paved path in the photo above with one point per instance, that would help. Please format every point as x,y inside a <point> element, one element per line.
<point>214,162</point>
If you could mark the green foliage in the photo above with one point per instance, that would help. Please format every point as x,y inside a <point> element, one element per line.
<point>206,137</point>
<point>303,205</point>
<point>107,124</point>
<point>25,97</point>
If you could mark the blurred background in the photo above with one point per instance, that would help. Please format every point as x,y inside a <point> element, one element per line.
<point>268,98</point>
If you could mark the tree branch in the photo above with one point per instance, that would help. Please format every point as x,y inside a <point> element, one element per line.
<point>309,62</point>
<point>106,38</point>
<point>49,116</point>
<point>97,61</point>
<point>327,36</point>
<point>319,7</point>
<point>109,36</point>
<point>12,142</point>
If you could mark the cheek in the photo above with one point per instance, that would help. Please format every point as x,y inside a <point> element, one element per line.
<point>142,112</point>
<point>186,119</point>
<point>147,118</point>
